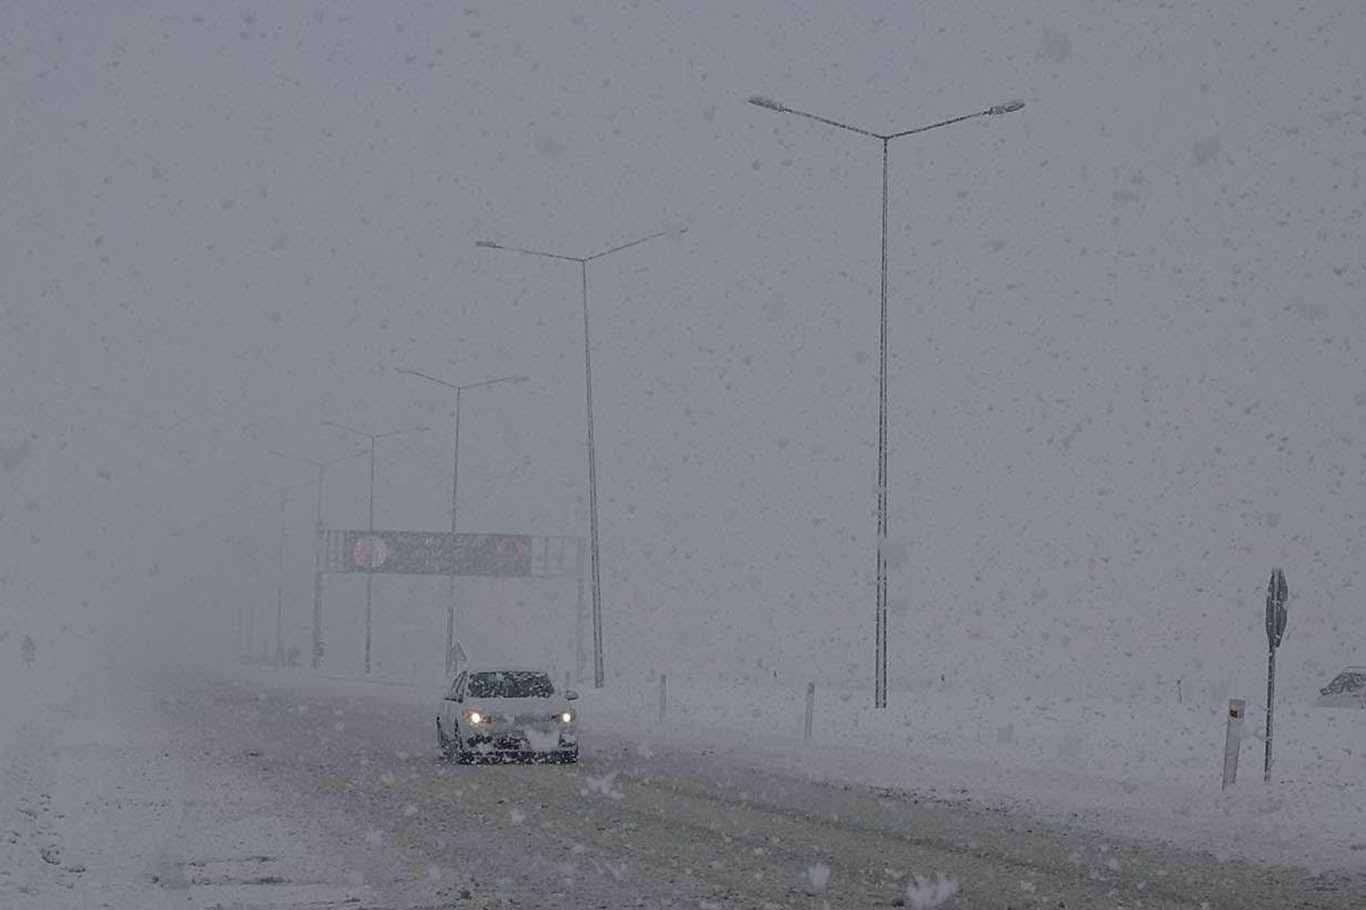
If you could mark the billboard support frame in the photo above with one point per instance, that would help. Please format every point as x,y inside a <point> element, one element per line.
<point>450,554</point>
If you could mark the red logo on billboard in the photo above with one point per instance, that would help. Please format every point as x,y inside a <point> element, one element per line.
<point>370,552</point>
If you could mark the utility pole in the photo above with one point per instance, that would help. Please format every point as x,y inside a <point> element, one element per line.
<point>369,571</point>
<point>596,576</point>
<point>459,389</point>
<point>283,491</point>
<point>320,466</point>
<point>880,614</point>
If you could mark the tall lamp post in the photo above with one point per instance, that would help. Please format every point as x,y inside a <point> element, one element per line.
<point>592,452</point>
<point>369,571</point>
<point>455,482</point>
<point>321,467</point>
<point>880,674</point>
<point>284,491</point>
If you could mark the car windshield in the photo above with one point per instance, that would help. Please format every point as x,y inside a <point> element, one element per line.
<point>511,684</point>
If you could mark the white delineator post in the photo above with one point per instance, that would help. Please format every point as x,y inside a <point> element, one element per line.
<point>663,696</point>
<point>1233,739</point>
<point>810,710</point>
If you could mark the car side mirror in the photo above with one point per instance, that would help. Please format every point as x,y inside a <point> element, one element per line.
<point>455,698</point>
<point>571,694</point>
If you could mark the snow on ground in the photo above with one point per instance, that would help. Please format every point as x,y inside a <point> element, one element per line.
<point>31,856</point>
<point>90,805</point>
<point>95,813</point>
<point>1137,766</point>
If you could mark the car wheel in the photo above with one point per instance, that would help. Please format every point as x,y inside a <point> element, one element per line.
<point>461,756</point>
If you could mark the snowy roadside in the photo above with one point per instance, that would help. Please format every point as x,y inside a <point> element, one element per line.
<point>29,856</point>
<point>1134,768</point>
<point>100,808</point>
<point>1138,767</point>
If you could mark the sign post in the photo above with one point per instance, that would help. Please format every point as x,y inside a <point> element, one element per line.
<point>318,598</point>
<point>1276,615</point>
<point>454,658</point>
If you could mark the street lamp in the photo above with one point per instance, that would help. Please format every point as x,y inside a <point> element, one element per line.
<point>321,467</point>
<point>880,678</point>
<point>369,572</point>
<point>592,452</point>
<point>283,490</point>
<point>455,481</point>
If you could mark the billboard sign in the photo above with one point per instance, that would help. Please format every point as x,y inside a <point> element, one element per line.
<point>1277,593</point>
<point>428,553</point>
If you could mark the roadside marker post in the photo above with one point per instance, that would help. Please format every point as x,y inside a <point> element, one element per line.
<point>1233,739</point>
<point>663,696</point>
<point>810,710</point>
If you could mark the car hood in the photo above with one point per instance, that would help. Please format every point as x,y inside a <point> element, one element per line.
<point>516,707</point>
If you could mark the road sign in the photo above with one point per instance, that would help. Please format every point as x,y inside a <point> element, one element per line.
<point>1276,614</point>
<point>428,553</point>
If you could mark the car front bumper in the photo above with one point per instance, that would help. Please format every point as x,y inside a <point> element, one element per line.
<point>510,739</point>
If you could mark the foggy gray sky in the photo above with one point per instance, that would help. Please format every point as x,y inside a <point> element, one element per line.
<point>1124,373</point>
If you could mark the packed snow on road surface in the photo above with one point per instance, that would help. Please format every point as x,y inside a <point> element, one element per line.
<point>234,786</point>
<point>927,437</point>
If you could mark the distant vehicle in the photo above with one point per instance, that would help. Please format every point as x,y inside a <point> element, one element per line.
<point>1347,690</point>
<point>504,714</point>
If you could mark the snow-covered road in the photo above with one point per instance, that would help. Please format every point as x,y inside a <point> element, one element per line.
<point>272,791</point>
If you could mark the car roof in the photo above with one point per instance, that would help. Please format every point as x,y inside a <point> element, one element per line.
<point>508,669</point>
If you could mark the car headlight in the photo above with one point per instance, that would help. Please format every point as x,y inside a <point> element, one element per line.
<point>566,718</point>
<point>476,717</point>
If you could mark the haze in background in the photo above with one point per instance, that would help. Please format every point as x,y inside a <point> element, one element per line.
<point>1125,326</point>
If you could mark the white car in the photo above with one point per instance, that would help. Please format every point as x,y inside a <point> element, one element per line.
<point>503,713</point>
